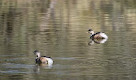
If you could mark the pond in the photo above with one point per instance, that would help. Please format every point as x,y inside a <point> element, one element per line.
<point>58,28</point>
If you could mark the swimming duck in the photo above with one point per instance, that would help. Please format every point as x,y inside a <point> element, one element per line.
<point>98,35</point>
<point>42,59</point>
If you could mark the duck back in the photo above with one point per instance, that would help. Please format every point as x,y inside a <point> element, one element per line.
<point>99,35</point>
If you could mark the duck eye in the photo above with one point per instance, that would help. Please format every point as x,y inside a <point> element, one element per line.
<point>90,30</point>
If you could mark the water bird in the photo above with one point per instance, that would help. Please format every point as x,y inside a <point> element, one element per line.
<point>97,35</point>
<point>42,59</point>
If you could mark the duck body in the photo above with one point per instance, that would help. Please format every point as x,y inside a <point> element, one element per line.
<point>98,35</point>
<point>42,59</point>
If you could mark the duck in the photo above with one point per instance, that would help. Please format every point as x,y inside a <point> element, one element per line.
<point>42,59</point>
<point>97,35</point>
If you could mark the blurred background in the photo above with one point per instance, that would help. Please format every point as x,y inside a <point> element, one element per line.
<point>58,28</point>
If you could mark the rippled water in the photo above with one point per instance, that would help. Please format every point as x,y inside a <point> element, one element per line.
<point>58,28</point>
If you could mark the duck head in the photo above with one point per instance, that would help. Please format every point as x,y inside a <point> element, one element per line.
<point>90,31</point>
<point>37,53</point>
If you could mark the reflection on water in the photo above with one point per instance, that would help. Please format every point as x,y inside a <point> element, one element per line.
<point>58,28</point>
<point>97,41</point>
<point>12,68</point>
<point>37,67</point>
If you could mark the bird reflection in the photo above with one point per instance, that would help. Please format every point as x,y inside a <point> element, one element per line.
<point>97,41</point>
<point>38,66</point>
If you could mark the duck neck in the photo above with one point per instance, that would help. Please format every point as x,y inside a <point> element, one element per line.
<point>38,55</point>
<point>91,32</point>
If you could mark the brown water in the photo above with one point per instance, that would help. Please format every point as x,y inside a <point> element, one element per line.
<point>57,28</point>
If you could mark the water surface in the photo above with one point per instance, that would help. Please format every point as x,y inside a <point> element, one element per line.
<point>57,28</point>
